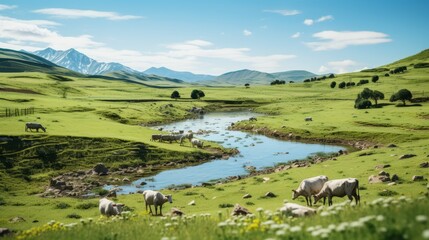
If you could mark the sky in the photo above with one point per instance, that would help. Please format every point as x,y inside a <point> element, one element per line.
<point>215,37</point>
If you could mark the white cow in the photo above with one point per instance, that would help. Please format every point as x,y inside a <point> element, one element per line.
<point>309,187</point>
<point>339,188</point>
<point>109,208</point>
<point>197,142</point>
<point>157,199</point>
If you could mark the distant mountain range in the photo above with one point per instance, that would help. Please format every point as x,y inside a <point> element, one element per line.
<point>185,76</point>
<point>255,77</point>
<point>79,62</point>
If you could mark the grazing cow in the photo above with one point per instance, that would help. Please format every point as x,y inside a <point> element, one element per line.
<point>296,210</point>
<point>156,137</point>
<point>157,199</point>
<point>308,119</point>
<point>188,136</point>
<point>309,187</point>
<point>197,142</point>
<point>109,208</point>
<point>339,188</point>
<point>34,125</point>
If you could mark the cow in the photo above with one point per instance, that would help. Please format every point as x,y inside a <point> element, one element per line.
<point>34,125</point>
<point>309,187</point>
<point>339,188</point>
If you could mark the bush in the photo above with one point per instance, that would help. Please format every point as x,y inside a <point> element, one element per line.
<point>331,75</point>
<point>62,205</point>
<point>333,84</point>
<point>175,94</point>
<point>403,95</point>
<point>362,82</point>
<point>387,75</point>
<point>387,193</point>
<point>226,205</point>
<point>87,205</point>
<point>374,78</point>
<point>197,94</point>
<point>74,215</point>
<point>363,104</point>
<point>421,65</point>
<point>342,85</point>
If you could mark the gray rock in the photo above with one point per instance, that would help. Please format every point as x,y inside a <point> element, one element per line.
<point>418,178</point>
<point>100,169</point>
<point>176,212</point>
<point>247,196</point>
<point>240,211</point>
<point>16,220</point>
<point>378,179</point>
<point>407,156</point>
<point>270,195</point>
<point>4,232</point>
<point>395,178</point>
<point>424,165</point>
<point>382,166</point>
<point>391,145</point>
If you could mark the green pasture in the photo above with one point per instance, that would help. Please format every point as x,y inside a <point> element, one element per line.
<point>107,109</point>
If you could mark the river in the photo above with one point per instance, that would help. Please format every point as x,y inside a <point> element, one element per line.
<point>255,150</point>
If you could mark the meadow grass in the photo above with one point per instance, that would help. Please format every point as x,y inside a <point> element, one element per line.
<point>84,113</point>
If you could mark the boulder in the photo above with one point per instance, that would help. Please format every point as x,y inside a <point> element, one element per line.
<point>405,156</point>
<point>382,166</point>
<point>16,220</point>
<point>240,211</point>
<point>270,195</point>
<point>4,232</point>
<point>100,169</point>
<point>383,173</point>
<point>176,212</point>
<point>424,165</point>
<point>418,178</point>
<point>378,179</point>
<point>247,196</point>
<point>191,203</point>
<point>395,178</point>
<point>391,145</point>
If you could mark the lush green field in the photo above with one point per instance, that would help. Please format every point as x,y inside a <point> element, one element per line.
<point>119,113</point>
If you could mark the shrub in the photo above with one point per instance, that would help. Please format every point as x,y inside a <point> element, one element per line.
<point>386,75</point>
<point>74,215</point>
<point>197,94</point>
<point>87,205</point>
<point>307,80</point>
<point>421,65</point>
<point>387,193</point>
<point>342,85</point>
<point>175,94</point>
<point>226,205</point>
<point>374,78</point>
<point>331,75</point>
<point>333,84</point>
<point>62,205</point>
<point>363,104</point>
<point>363,81</point>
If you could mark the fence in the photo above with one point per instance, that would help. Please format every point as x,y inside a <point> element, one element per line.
<point>9,112</point>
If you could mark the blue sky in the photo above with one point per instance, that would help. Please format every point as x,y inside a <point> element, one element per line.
<point>214,37</point>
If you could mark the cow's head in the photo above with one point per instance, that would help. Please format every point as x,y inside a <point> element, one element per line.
<point>294,194</point>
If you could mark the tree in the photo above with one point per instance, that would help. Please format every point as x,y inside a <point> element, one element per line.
<point>331,75</point>
<point>333,84</point>
<point>197,94</point>
<point>374,79</point>
<point>403,95</point>
<point>342,85</point>
<point>247,85</point>
<point>377,95</point>
<point>175,95</point>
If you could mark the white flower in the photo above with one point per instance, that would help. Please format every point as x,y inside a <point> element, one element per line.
<point>295,229</point>
<point>425,234</point>
<point>281,232</point>
<point>259,209</point>
<point>222,224</point>
<point>324,214</point>
<point>380,218</point>
<point>421,218</point>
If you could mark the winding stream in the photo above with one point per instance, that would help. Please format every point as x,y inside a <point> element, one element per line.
<point>255,150</point>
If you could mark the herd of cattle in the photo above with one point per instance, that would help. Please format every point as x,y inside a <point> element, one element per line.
<point>318,187</point>
<point>180,136</point>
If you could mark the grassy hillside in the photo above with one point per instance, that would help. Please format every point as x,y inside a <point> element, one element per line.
<point>117,113</point>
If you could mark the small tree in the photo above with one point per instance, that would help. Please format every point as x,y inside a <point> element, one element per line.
<point>377,95</point>
<point>374,79</point>
<point>175,95</point>
<point>342,85</point>
<point>333,84</point>
<point>195,94</point>
<point>331,75</point>
<point>403,95</point>
<point>247,85</point>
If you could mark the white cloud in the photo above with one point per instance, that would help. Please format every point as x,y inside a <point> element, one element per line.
<point>343,66</point>
<point>325,18</point>
<point>6,7</point>
<point>34,33</point>
<point>308,22</point>
<point>323,69</point>
<point>296,35</point>
<point>79,13</point>
<point>285,12</point>
<point>247,32</point>
<point>338,40</point>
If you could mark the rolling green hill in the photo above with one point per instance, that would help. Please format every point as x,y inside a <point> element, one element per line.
<point>17,61</point>
<point>244,76</point>
<point>149,80</point>
<point>421,57</point>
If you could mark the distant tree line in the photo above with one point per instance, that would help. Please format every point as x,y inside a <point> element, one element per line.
<point>278,82</point>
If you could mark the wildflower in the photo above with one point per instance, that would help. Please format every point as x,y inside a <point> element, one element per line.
<point>167,225</point>
<point>295,229</point>
<point>425,234</point>
<point>379,218</point>
<point>421,218</point>
<point>324,214</point>
<point>281,232</point>
<point>222,224</point>
<point>259,209</point>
